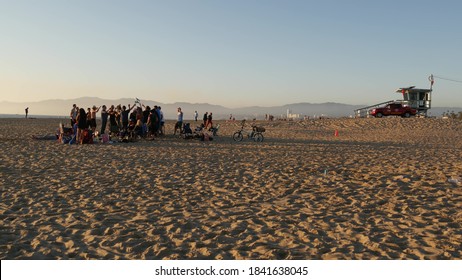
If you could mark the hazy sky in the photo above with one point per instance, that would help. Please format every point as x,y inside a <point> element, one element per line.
<point>232,53</point>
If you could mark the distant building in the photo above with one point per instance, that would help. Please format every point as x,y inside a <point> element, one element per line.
<point>291,116</point>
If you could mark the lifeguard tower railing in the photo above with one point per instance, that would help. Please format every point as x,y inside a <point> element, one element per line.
<point>365,111</point>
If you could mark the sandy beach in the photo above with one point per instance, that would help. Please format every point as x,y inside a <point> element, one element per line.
<point>382,189</point>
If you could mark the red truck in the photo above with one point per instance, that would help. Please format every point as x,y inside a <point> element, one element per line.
<point>394,109</point>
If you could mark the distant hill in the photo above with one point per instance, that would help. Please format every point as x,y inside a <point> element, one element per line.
<point>59,107</point>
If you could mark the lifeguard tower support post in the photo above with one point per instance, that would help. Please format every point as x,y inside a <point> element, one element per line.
<point>417,98</point>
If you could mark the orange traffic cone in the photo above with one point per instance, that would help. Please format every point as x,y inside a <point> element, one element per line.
<point>336,133</point>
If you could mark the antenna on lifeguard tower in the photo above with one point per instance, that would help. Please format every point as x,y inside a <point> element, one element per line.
<point>432,81</point>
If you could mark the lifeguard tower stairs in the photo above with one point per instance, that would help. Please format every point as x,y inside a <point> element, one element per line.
<point>365,111</point>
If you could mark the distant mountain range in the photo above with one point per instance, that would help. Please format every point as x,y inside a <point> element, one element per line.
<point>58,107</point>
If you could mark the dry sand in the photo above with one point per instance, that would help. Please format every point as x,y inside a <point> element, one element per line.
<point>379,190</point>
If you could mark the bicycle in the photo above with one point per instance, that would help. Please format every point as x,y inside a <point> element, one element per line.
<point>255,134</point>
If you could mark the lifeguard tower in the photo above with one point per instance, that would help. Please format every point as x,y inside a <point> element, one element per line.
<point>417,98</point>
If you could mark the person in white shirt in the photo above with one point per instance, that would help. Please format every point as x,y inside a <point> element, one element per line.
<point>179,122</point>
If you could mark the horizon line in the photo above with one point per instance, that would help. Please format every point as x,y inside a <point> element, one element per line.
<point>184,102</point>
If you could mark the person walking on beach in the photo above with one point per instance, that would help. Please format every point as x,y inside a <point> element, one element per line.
<point>209,121</point>
<point>27,111</point>
<point>179,123</point>
<point>195,116</point>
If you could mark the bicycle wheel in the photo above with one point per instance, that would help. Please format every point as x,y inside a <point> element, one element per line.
<point>237,136</point>
<point>258,137</point>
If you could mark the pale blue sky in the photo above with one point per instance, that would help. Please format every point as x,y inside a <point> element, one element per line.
<point>231,53</point>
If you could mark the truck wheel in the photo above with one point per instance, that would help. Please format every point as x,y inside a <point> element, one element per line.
<point>407,115</point>
<point>379,115</point>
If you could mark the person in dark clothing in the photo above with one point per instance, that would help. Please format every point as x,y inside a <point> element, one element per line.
<point>209,121</point>
<point>81,124</point>
<point>144,120</point>
<point>205,118</point>
<point>153,122</point>
<point>125,113</point>
<point>104,116</point>
<point>113,128</point>
<point>27,111</point>
<point>146,112</point>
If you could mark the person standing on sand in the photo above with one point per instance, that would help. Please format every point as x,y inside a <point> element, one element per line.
<point>93,112</point>
<point>125,113</point>
<point>179,123</point>
<point>88,117</point>
<point>162,121</point>
<point>81,124</point>
<point>195,116</point>
<point>118,113</point>
<point>205,118</point>
<point>73,115</point>
<point>113,126</point>
<point>146,113</point>
<point>154,122</point>
<point>27,111</point>
<point>104,116</point>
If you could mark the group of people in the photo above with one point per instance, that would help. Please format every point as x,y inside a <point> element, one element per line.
<point>207,119</point>
<point>121,119</point>
<point>141,120</point>
<point>81,120</point>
